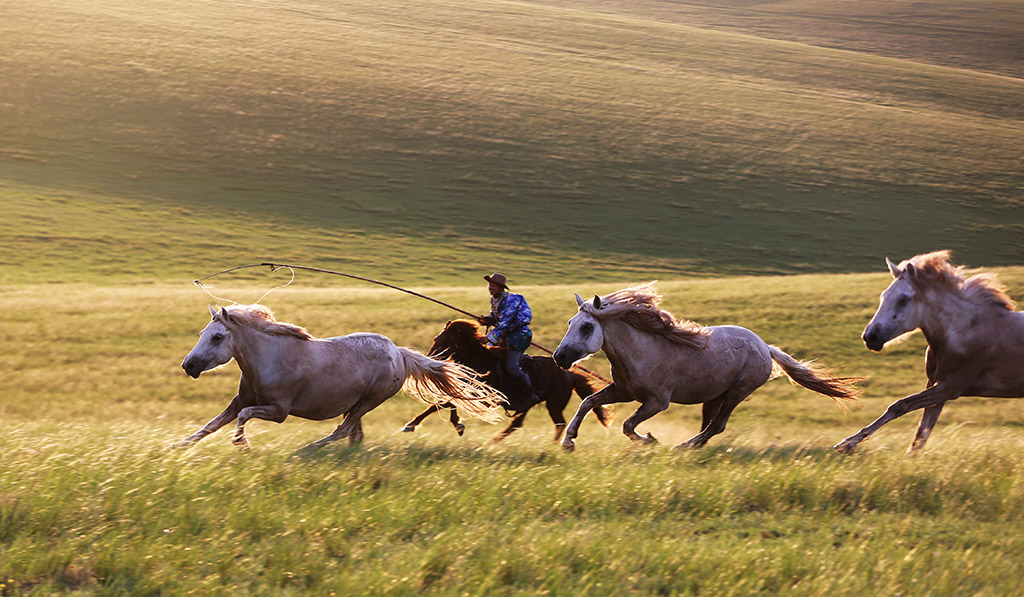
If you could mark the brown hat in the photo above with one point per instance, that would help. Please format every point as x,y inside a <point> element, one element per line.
<point>498,279</point>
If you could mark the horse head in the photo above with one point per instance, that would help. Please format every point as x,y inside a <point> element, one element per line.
<point>584,336</point>
<point>214,348</point>
<point>900,308</point>
<point>457,339</point>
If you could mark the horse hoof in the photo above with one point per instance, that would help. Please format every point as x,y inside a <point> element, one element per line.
<point>845,447</point>
<point>410,428</point>
<point>460,429</point>
<point>568,447</point>
<point>650,440</point>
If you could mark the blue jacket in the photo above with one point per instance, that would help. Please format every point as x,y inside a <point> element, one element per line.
<point>512,321</point>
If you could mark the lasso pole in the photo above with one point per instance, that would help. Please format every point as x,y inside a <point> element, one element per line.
<point>276,266</point>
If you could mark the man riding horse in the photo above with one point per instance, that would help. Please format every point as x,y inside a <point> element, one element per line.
<point>510,317</point>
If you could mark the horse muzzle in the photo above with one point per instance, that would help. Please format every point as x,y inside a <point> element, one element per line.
<point>563,360</point>
<point>192,368</point>
<point>872,339</point>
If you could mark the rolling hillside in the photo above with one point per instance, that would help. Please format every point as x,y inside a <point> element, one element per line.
<point>561,140</point>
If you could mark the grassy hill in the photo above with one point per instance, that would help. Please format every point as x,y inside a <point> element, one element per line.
<point>560,140</point>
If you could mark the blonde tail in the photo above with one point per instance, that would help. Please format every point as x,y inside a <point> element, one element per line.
<point>434,382</point>
<point>817,379</point>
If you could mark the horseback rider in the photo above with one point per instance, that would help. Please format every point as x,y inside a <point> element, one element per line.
<point>510,315</point>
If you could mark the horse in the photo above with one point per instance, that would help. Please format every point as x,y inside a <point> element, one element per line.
<point>287,371</point>
<point>975,338</point>
<point>657,360</point>
<point>462,340</point>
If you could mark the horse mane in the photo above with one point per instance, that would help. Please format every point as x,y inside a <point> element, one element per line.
<point>934,270</point>
<point>639,307</point>
<point>261,319</point>
<point>467,328</point>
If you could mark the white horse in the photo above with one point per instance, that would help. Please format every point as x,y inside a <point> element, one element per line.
<point>286,371</point>
<point>975,338</point>
<point>658,360</point>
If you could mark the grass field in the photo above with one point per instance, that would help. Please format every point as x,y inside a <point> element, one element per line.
<point>91,500</point>
<point>579,146</point>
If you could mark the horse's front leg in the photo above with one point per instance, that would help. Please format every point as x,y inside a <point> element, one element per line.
<point>456,422</point>
<point>270,412</point>
<point>934,395</point>
<point>215,423</point>
<point>647,410</point>
<point>411,425</point>
<point>609,395</point>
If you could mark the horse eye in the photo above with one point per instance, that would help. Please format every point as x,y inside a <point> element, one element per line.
<point>217,337</point>
<point>587,328</point>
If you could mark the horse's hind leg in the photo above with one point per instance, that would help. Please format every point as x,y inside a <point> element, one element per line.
<point>517,423</point>
<point>716,414</point>
<point>352,426</point>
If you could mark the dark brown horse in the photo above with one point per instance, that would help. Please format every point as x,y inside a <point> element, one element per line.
<point>463,341</point>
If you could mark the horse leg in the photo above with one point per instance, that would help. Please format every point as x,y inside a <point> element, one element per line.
<point>270,412</point>
<point>215,423</point>
<point>457,423</point>
<point>352,426</point>
<point>716,413</point>
<point>646,411</point>
<point>517,423</point>
<point>937,394</point>
<point>928,419</point>
<point>411,425</point>
<point>931,413</point>
<point>556,410</point>
<point>356,436</point>
<point>609,395</point>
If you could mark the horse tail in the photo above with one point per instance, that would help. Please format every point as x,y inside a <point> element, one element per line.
<point>816,378</point>
<point>584,387</point>
<point>435,382</point>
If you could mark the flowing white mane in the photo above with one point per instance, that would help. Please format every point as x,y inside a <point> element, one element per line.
<point>934,270</point>
<point>639,307</point>
<point>261,319</point>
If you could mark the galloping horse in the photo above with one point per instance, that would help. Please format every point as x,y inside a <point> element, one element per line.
<point>657,360</point>
<point>463,341</point>
<point>975,338</point>
<point>286,371</point>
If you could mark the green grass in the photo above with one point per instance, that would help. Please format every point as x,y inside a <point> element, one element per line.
<point>430,141</point>
<point>91,501</point>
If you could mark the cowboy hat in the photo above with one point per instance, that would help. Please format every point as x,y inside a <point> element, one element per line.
<point>498,279</point>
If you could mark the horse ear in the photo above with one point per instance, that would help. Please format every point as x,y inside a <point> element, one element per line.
<point>893,269</point>
<point>213,311</point>
<point>597,302</point>
<point>225,317</point>
<point>911,270</point>
<point>579,299</point>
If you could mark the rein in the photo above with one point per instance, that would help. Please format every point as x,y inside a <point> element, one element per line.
<point>276,266</point>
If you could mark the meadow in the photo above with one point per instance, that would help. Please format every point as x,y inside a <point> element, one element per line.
<point>759,158</point>
<point>92,500</point>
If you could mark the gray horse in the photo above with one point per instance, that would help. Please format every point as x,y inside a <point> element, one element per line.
<point>657,360</point>
<point>286,371</point>
<point>975,338</point>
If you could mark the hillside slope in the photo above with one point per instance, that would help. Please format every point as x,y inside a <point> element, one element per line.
<point>428,141</point>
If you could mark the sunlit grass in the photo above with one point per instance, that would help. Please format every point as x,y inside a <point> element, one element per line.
<point>91,499</point>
